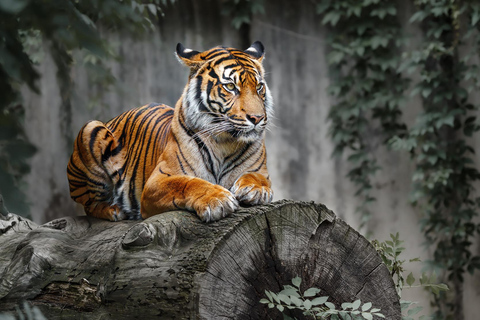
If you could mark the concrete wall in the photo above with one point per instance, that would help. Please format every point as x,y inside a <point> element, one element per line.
<point>299,151</point>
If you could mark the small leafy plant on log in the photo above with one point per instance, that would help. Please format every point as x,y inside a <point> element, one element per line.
<point>319,307</point>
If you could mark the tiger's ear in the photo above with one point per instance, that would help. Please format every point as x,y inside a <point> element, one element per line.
<point>189,57</point>
<point>256,51</point>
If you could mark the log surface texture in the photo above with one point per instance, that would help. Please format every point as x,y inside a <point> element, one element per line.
<point>173,266</point>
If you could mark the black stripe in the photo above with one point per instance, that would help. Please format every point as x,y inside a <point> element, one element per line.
<point>181,166</point>
<point>200,144</point>
<point>215,53</point>
<point>261,164</point>
<point>167,174</point>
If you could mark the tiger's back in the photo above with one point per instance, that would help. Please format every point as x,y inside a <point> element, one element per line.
<point>110,173</point>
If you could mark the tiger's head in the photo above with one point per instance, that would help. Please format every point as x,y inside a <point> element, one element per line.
<point>226,96</point>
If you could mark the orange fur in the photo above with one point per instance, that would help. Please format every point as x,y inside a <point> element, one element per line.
<point>207,155</point>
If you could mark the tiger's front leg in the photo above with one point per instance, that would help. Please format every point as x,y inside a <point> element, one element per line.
<point>165,192</point>
<point>253,189</point>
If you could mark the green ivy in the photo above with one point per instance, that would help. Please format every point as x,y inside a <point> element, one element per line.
<point>390,251</point>
<point>444,178</point>
<point>366,64</point>
<point>241,11</point>
<point>366,85</point>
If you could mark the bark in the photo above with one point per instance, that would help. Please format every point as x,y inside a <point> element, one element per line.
<point>173,266</point>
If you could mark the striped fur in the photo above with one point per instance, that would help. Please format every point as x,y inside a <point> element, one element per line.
<point>207,155</point>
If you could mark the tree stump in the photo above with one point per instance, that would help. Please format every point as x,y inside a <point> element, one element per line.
<point>173,266</point>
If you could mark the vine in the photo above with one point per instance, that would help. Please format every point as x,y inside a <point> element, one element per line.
<point>241,13</point>
<point>364,45</point>
<point>368,89</point>
<point>443,181</point>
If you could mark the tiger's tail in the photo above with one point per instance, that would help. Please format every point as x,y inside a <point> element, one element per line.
<point>93,171</point>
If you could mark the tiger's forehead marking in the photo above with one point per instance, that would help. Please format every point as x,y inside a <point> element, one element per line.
<point>238,73</point>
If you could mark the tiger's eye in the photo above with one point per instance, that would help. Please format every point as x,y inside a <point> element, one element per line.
<point>259,86</point>
<point>230,86</point>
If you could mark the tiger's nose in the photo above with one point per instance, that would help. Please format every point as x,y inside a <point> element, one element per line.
<point>255,119</point>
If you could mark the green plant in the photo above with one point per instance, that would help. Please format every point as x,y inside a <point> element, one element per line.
<point>390,251</point>
<point>366,45</point>
<point>365,38</point>
<point>317,307</point>
<point>241,11</point>
<point>445,175</point>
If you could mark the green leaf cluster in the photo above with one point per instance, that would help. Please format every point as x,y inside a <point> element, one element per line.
<point>390,251</point>
<point>241,11</point>
<point>370,83</point>
<point>367,86</point>
<point>445,175</point>
<point>317,307</point>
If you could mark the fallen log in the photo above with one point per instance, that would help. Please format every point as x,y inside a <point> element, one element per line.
<point>173,266</point>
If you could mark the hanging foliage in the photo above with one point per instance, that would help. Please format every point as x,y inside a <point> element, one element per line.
<point>366,86</point>
<point>444,178</point>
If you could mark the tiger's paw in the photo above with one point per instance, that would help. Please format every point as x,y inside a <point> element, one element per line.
<point>105,211</point>
<point>252,194</point>
<point>116,214</point>
<point>253,189</point>
<point>216,204</point>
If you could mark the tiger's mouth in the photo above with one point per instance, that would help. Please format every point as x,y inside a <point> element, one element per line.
<point>247,134</point>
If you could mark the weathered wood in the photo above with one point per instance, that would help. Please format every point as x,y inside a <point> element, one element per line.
<point>172,266</point>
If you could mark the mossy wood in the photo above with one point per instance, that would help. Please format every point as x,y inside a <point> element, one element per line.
<point>172,266</point>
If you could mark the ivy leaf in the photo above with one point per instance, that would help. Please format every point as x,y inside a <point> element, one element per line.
<point>414,311</point>
<point>284,298</point>
<point>346,305</point>
<point>367,316</point>
<point>322,7</point>
<point>330,305</point>
<point>296,301</point>
<point>356,304</point>
<point>319,301</point>
<point>332,17</point>
<point>297,281</point>
<point>366,306</point>
<point>418,16</point>
<point>290,291</point>
<point>307,304</point>
<point>410,279</point>
<point>404,305</point>
<point>311,292</point>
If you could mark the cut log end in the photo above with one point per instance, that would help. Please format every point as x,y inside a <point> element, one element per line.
<point>175,267</point>
<point>293,240</point>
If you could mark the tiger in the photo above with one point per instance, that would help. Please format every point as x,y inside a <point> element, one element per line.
<point>207,155</point>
